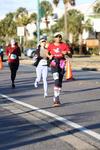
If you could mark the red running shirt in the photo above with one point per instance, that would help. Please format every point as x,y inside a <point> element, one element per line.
<point>56,51</point>
<point>13,54</point>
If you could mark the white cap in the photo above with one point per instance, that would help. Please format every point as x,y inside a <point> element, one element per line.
<point>12,41</point>
<point>58,33</point>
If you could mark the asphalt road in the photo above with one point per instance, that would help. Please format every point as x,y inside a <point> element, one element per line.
<point>80,109</point>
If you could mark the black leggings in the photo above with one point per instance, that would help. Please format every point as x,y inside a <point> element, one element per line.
<point>58,74</point>
<point>13,69</point>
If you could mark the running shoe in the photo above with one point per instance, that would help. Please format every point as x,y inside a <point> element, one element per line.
<point>56,103</point>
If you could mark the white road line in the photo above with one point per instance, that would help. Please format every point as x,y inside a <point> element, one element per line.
<point>61,119</point>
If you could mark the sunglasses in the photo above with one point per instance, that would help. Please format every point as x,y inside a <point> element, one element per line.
<point>43,41</point>
<point>58,36</point>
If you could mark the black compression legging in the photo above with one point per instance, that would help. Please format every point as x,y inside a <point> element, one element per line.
<point>58,74</point>
<point>13,69</point>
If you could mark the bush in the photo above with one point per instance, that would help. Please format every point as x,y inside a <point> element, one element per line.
<point>95,51</point>
<point>2,42</point>
<point>30,44</point>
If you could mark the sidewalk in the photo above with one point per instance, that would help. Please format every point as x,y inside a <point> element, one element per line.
<point>78,62</point>
<point>88,63</point>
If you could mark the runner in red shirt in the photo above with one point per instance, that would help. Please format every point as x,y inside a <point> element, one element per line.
<point>13,52</point>
<point>56,52</point>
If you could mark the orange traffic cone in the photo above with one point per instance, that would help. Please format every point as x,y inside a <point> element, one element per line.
<point>69,75</point>
<point>1,63</point>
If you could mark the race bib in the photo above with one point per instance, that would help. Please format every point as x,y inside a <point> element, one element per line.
<point>13,56</point>
<point>55,76</point>
<point>43,62</point>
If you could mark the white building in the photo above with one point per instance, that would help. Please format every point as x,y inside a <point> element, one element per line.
<point>86,9</point>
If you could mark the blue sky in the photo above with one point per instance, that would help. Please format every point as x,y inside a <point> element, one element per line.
<point>7,6</point>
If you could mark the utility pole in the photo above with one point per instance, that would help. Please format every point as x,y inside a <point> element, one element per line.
<point>38,21</point>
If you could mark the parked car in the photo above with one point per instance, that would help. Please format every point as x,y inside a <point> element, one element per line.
<point>29,52</point>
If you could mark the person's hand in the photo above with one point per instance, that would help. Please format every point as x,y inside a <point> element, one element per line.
<point>50,57</point>
<point>64,52</point>
<point>69,54</point>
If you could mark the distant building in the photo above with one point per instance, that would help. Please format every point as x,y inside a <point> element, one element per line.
<point>86,9</point>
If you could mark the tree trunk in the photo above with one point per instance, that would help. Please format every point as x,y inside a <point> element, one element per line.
<point>65,22</point>
<point>80,44</point>
<point>46,22</point>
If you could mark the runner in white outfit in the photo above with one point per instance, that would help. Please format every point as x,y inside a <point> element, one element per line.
<point>42,68</point>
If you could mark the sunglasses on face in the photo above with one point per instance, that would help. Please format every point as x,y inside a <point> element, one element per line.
<point>58,36</point>
<point>43,41</point>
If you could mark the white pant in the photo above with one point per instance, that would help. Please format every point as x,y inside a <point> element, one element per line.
<point>42,71</point>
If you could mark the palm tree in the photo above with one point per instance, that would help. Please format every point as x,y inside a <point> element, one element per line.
<point>76,25</point>
<point>96,8</point>
<point>47,9</point>
<point>21,17</point>
<point>8,21</point>
<point>33,17</point>
<point>72,2</point>
<point>20,12</point>
<point>56,2</point>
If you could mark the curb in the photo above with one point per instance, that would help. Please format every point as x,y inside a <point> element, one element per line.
<point>89,69</point>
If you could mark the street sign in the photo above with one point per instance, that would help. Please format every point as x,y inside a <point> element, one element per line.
<point>20,31</point>
<point>92,43</point>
